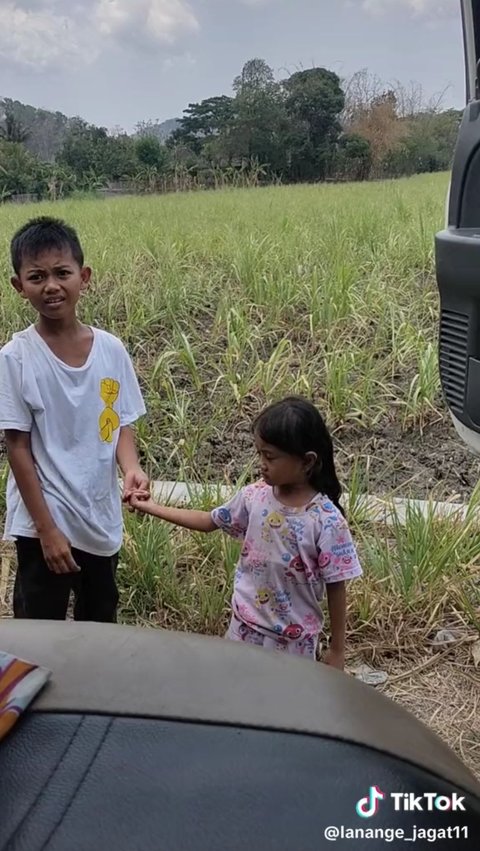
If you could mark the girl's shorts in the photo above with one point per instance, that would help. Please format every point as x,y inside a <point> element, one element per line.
<point>239,631</point>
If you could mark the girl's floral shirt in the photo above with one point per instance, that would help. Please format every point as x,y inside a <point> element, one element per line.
<point>288,557</point>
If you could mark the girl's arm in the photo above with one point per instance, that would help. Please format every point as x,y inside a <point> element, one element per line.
<point>337,607</point>
<point>197,521</point>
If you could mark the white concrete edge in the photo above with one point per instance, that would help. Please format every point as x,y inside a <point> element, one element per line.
<point>386,510</point>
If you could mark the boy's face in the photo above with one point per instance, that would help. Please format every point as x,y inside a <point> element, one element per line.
<point>52,282</point>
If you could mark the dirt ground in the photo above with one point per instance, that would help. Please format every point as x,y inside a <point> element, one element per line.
<point>434,462</point>
<point>411,463</point>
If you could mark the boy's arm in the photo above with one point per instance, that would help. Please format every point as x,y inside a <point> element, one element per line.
<point>134,479</point>
<point>55,546</point>
<point>132,407</point>
<point>196,521</point>
<point>337,607</point>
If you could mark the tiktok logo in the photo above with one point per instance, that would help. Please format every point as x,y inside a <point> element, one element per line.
<point>368,807</point>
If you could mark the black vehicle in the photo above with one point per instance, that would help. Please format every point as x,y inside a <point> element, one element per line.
<point>148,740</point>
<point>458,255</point>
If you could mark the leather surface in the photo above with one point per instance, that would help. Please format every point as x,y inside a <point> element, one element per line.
<point>119,670</point>
<point>90,783</point>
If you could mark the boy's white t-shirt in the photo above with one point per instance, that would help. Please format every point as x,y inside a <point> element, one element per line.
<point>74,416</point>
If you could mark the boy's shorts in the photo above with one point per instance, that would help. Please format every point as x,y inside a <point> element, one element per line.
<point>43,595</point>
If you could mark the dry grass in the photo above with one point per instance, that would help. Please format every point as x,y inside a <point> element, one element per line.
<point>445,696</point>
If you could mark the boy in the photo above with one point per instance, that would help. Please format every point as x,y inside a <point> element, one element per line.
<point>68,396</point>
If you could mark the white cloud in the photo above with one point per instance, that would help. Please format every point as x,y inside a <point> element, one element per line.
<point>37,37</point>
<point>181,60</point>
<point>420,8</point>
<point>159,20</point>
<point>60,33</point>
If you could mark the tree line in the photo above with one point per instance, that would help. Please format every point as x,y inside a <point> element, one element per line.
<point>310,126</point>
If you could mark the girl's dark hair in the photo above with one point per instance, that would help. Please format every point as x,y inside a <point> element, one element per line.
<point>295,426</point>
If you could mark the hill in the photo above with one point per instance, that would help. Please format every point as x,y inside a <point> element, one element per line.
<point>43,132</point>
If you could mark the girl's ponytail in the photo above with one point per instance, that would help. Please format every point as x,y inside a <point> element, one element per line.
<point>326,481</point>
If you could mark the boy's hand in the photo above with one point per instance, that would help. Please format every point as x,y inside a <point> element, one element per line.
<point>57,552</point>
<point>135,481</point>
<point>335,659</point>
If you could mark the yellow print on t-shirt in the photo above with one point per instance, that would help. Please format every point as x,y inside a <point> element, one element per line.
<point>109,420</point>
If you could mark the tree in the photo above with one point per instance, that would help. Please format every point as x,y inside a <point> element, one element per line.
<point>406,132</point>
<point>379,123</point>
<point>202,123</point>
<point>116,157</point>
<point>78,150</point>
<point>427,146</point>
<point>354,158</point>
<point>360,92</point>
<point>151,153</point>
<point>258,123</point>
<point>314,101</point>
<point>90,150</point>
<point>256,76</point>
<point>43,132</point>
<point>12,129</point>
<point>19,170</point>
<point>60,181</point>
<point>153,161</point>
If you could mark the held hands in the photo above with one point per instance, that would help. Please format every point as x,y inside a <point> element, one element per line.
<point>136,492</point>
<point>136,484</point>
<point>142,502</point>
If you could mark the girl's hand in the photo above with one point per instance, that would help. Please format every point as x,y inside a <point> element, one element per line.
<point>135,481</point>
<point>335,659</point>
<point>143,502</point>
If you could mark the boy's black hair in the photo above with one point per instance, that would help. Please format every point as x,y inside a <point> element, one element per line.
<point>42,234</point>
<point>295,426</point>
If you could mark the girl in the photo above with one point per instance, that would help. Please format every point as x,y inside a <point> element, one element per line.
<point>296,542</point>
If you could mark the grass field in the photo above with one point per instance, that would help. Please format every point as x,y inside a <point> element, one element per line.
<point>227,300</point>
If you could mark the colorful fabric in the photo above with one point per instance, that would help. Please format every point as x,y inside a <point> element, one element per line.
<point>289,555</point>
<point>238,631</point>
<point>20,682</point>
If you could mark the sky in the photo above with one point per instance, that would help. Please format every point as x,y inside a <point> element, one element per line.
<point>117,62</point>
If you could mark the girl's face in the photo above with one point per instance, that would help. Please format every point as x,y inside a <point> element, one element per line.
<point>279,469</point>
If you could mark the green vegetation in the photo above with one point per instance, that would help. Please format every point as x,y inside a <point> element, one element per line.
<point>227,300</point>
<point>308,127</point>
